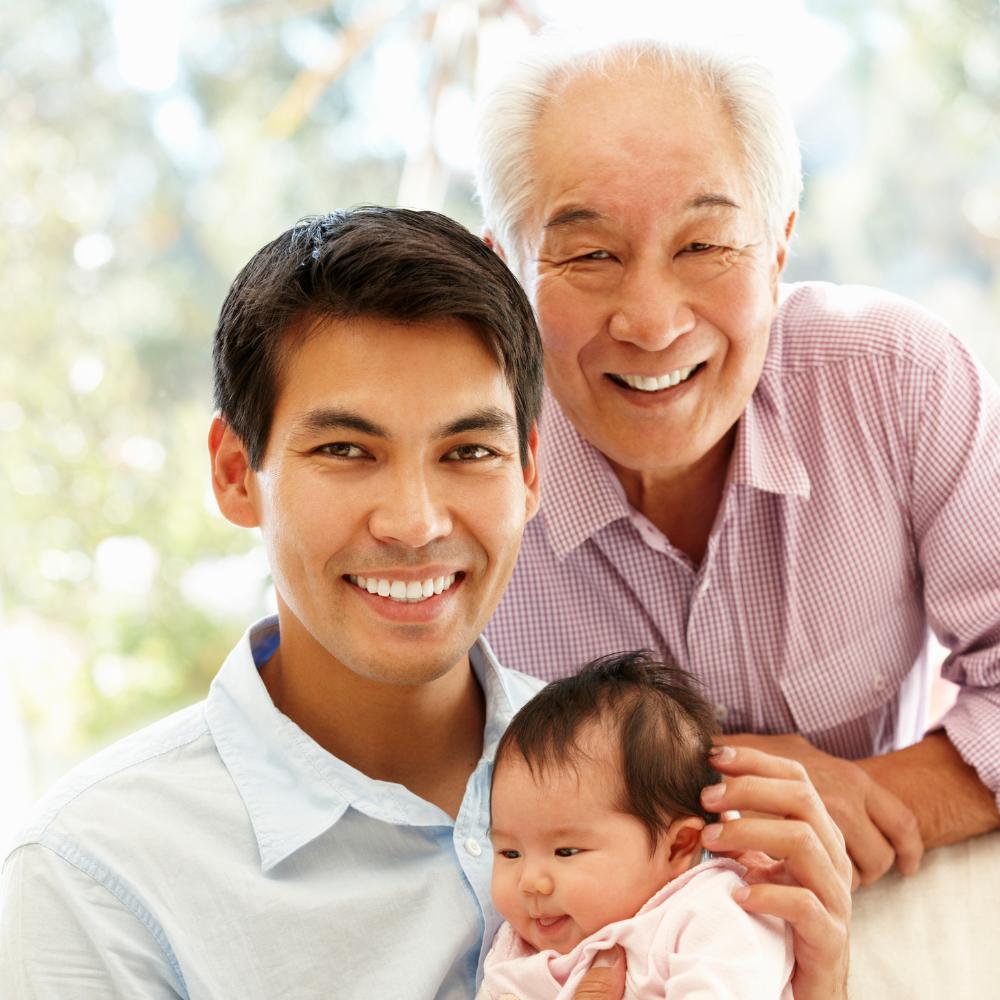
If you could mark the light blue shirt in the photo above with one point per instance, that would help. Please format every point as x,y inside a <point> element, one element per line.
<point>223,853</point>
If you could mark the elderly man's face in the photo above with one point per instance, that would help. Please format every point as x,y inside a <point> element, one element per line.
<point>652,273</point>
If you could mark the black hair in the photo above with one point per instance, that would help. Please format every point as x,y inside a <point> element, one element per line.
<point>389,263</point>
<point>662,724</point>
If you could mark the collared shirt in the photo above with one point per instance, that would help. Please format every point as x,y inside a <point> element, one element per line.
<point>862,507</point>
<point>223,853</point>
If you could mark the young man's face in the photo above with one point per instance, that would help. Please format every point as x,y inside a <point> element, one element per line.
<point>391,497</point>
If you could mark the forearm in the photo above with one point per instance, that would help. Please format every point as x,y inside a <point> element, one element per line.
<point>944,793</point>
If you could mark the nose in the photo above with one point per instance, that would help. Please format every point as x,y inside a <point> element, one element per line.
<point>654,308</point>
<point>411,509</point>
<point>535,880</point>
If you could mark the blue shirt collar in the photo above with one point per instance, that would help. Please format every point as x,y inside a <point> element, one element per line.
<point>292,788</point>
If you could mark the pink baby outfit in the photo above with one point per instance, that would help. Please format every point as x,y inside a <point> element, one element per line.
<point>690,940</point>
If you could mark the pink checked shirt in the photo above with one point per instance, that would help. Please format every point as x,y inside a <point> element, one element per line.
<point>862,508</point>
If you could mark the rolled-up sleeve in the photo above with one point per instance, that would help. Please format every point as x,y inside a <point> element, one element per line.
<point>954,411</point>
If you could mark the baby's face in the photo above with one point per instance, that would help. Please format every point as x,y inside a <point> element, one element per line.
<point>566,861</point>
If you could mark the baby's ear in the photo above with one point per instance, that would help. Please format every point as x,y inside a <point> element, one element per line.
<point>682,844</point>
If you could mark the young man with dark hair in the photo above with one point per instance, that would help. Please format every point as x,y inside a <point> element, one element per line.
<point>318,825</point>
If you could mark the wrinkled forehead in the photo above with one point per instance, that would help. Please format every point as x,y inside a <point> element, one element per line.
<point>642,136</point>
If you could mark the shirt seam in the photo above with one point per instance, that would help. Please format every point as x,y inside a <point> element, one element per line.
<point>128,900</point>
<point>43,830</point>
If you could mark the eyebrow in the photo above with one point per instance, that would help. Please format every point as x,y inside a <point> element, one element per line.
<point>332,418</point>
<point>711,200</point>
<point>575,215</point>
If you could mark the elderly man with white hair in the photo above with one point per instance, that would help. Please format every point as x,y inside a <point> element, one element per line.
<point>782,488</point>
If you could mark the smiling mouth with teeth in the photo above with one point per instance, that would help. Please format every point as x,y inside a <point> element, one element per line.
<point>405,591</point>
<point>654,383</point>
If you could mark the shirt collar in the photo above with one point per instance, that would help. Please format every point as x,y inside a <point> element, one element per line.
<point>765,457</point>
<point>573,469</point>
<point>292,788</point>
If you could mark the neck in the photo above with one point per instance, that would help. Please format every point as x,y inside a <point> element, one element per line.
<point>682,502</point>
<point>427,737</point>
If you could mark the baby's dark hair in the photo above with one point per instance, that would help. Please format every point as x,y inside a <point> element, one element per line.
<point>663,725</point>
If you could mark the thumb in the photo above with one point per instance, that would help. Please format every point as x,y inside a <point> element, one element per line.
<point>606,978</point>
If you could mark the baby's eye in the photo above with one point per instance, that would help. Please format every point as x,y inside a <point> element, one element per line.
<point>509,855</point>
<point>566,852</point>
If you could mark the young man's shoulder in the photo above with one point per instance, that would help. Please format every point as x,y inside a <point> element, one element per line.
<point>134,775</point>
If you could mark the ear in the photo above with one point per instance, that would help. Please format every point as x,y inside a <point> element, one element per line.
<point>782,249</point>
<point>781,255</point>
<point>682,844</point>
<point>491,242</point>
<point>531,480</point>
<point>231,475</point>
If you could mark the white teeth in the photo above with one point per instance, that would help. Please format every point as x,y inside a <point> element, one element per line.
<point>647,383</point>
<point>409,591</point>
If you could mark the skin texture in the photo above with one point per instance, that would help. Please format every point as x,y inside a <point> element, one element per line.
<point>357,482</point>
<point>567,861</point>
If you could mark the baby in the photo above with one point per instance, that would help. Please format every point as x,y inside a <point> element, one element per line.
<point>596,822</point>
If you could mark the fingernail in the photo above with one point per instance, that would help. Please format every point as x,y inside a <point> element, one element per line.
<point>722,755</point>
<point>742,894</point>
<point>711,833</point>
<point>711,795</point>
<point>607,959</point>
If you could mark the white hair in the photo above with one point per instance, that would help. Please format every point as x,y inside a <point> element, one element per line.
<point>746,90</point>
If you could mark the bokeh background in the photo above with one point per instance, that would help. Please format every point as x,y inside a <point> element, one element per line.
<point>149,147</point>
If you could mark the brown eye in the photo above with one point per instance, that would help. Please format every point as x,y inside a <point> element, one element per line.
<point>342,449</point>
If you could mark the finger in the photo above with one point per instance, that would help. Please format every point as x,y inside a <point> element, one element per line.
<point>870,853</point>
<point>898,825</point>
<point>798,845</point>
<point>844,833</point>
<point>821,939</point>
<point>605,980</point>
<point>749,760</point>
<point>791,798</point>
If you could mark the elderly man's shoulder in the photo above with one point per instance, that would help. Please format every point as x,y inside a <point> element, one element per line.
<point>820,323</point>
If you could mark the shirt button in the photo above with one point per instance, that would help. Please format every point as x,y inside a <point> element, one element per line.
<point>721,713</point>
<point>473,847</point>
<point>879,684</point>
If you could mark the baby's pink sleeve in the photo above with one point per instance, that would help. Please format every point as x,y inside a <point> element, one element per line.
<point>709,948</point>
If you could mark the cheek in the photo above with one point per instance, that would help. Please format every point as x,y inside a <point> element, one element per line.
<point>568,322</point>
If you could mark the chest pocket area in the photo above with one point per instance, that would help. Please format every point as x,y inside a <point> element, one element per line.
<point>853,674</point>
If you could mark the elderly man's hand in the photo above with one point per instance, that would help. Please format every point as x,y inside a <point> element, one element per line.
<point>605,979</point>
<point>878,827</point>
<point>797,868</point>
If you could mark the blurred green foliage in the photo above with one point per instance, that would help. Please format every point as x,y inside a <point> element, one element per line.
<point>127,209</point>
